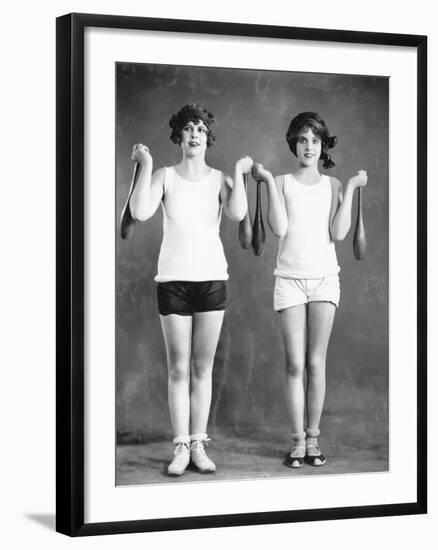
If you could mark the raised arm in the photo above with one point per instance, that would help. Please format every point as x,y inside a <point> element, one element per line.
<point>233,194</point>
<point>277,216</point>
<point>148,192</point>
<point>340,216</point>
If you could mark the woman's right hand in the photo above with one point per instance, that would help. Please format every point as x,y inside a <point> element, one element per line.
<point>141,154</point>
<point>244,165</point>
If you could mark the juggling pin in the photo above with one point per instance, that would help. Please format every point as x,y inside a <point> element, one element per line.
<point>245,226</point>
<point>127,222</point>
<point>258,230</point>
<point>359,237</point>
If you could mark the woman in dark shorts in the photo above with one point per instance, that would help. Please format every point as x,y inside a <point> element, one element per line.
<point>192,271</point>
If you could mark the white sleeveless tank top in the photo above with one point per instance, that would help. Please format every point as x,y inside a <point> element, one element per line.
<point>307,250</point>
<point>191,249</point>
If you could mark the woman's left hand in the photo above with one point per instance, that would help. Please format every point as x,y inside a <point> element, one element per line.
<point>260,173</point>
<point>359,180</point>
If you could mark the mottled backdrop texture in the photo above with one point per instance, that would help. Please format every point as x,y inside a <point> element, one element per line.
<point>253,109</point>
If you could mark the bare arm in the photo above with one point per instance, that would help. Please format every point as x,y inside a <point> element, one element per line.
<point>340,216</point>
<point>149,189</point>
<point>277,216</point>
<point>233,194</point>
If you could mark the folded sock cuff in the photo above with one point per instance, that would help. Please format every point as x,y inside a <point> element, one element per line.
<point>313,432</point>
<point>198,437</point>
<point>181,439</point>
<point>299,436</point>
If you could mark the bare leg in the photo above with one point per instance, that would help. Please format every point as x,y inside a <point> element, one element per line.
<point>293,324</point>
<point>177,332</point>
<point>320,318</point>
<point>206,331</point>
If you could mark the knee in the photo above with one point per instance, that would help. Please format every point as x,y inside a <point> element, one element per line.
<point>201,367</point>
<point>178,370</point>
<point>315,365</point>
<point>294,368</point>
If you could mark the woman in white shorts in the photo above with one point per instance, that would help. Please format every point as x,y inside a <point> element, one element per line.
<point>308,212</point>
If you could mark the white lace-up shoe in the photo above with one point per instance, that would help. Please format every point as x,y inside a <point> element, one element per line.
<point>200,459</point>
<point>181,460</point>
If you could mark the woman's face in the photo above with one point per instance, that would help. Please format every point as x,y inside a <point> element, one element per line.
<point>194,138</point>
<point>308,148</point>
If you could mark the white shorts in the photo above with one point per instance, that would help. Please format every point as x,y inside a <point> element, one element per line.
<point>294,292</point>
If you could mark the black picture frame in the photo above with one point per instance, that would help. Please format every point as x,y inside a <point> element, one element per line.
<point>70,272</point>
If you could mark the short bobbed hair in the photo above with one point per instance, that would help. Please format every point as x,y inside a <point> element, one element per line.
<point>191,113</point>
<point>315,122</point>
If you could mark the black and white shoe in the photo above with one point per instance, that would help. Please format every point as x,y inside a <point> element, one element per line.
<point>314,457</point>
<point>295,459</point>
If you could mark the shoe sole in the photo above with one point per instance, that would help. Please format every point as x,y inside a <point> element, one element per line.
<point>208,471</point>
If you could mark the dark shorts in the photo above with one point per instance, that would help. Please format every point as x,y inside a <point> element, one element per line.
<point>187,297</point>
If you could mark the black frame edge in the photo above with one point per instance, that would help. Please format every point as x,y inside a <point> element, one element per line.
<point>69,278</point>
<point>422,274</point>
<point>63,223</point>
<point>241,520</point>
<point>247,29</point>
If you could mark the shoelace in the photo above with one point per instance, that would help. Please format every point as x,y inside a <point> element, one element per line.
<point>314,450</point>
<point>198,447</point>
<point>180,453</point>
<point>298,450</point>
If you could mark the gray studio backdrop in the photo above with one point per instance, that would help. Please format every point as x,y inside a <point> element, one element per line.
<point>253,109</point>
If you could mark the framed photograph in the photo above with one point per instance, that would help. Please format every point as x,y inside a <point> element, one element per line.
<point>241,308</point>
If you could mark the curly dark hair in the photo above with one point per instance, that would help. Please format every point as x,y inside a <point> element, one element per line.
<point>316,123</point>
<point>191,113</point>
